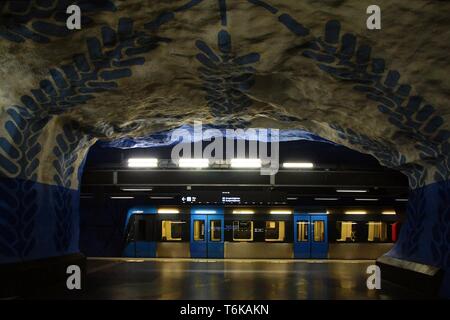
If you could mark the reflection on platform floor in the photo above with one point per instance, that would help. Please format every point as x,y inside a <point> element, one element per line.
<point>232,279</point>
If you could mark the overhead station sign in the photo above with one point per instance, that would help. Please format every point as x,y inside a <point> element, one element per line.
<point>189,199</point>
<point>231,199</point>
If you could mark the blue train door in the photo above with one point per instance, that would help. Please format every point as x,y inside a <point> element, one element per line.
<point>310,236</point>
<point>199,238</point>
<point>207,238</point>
<point>215,236</point>
<point>302,236</point>
<point>319,237</point>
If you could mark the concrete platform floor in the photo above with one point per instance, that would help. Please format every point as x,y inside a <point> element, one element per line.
<point>230,279</point>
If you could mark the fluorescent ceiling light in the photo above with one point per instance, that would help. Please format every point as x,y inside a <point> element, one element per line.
<point>142,162</point>
<point>389,212</point>
<point>171,210</point>
<point>351,190</point>
<point>356,212</point>
<point>161,197</point>
<point>280,212</point>
<point>193,163</point>
<point>401,200</point>
<point>243,212</point>
<point>291,198</point>
<point>205,211</point>
<point>326,199</point>
<point>246,163</point>
<point>298,165</point>
<point>136,189</point>
<point>366,199</point>
<point>121,198</point>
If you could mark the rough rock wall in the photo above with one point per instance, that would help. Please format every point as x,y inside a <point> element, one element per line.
<point>139,67</point>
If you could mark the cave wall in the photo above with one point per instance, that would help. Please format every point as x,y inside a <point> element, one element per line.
<point>137,68</point>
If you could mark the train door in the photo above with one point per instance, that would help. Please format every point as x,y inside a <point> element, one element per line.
<point>302,243</point>
<point>199,241</point>
<point>207,238</point>
<point>319,236</point>
<point>310,236</point>
<point>215,236</point>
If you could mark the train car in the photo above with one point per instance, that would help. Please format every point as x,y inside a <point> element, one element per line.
<point>258,233</point>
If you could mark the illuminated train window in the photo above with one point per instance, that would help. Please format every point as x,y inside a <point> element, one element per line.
<point>377,231</point>
<point>302,231</point>
<point>319,231</point>
<point>216,230</point>
<point>199,230</point>
<point>172,230</point>
<point>346,231</point>
<point>243,230</point>
<point>275,231</point>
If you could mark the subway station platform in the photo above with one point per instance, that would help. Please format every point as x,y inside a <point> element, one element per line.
<point>193,279</point>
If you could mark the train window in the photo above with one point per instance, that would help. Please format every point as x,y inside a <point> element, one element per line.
<point>275,231</point>
<point>199,230</point>
<point>140,229</point>
<point>346,231</point>
<point>319,231</point>
<point>171,230</point>
<point>216,230</point>
<point>377,231</point>
<point>243,230</point>
<point>302,231</point>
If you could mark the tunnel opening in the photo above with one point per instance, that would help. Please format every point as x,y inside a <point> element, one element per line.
<point>110,186</point>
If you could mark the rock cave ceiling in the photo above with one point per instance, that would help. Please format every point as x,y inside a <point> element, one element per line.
<point>138,69</point>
